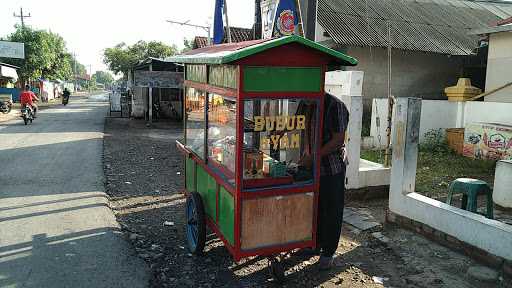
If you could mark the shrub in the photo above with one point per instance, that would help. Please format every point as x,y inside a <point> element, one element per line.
<point>434,141</point>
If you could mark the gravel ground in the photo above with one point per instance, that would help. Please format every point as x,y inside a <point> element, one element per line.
<point>143,173</point>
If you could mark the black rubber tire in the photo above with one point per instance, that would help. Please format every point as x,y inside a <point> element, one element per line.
<point>195,199</point>
<point>25,120</point>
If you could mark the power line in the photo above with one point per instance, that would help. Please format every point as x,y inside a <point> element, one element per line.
<point>22,17</point>
<point>186,23</point>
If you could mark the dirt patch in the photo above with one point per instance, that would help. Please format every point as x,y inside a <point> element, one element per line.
<point>143,180</point>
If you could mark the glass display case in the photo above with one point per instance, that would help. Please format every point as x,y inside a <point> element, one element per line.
<point>279,138</point>
<point>222,133</point>
<point>195,120</point>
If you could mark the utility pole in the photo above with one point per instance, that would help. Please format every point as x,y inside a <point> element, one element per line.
<point>257,19</point>
<point>22,17</point>
<point>206,28</point>
<point>90,78</point>
<point>74,72</point>
<point>227,20</point>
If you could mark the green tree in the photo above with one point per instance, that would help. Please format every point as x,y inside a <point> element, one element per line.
<point>77,67</point>
<point>188,45</point>
<point>122,57</point>
<point>103,77</point>
<point>46,55</point>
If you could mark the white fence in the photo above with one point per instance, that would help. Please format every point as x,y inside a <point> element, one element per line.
<point>439,114</point>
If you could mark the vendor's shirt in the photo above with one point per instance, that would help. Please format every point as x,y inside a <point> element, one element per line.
<point>335,121</point>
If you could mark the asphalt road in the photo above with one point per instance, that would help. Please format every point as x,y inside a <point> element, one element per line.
<point>56,229</point>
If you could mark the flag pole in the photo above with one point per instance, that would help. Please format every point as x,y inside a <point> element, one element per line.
<point>227,20</point>
<point>301,23</point>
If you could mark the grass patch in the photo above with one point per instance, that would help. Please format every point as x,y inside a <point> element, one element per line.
<point>376,156</point>
<point>438,168</point>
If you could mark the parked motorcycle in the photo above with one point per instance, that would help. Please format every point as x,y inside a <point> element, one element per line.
<point>27,114</point>
<point>5,106</point>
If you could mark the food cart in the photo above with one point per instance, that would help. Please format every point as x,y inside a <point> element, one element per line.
<point>252,110</point>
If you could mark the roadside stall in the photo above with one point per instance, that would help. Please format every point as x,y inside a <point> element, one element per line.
<point>156,88</point>
<point>252,111</point>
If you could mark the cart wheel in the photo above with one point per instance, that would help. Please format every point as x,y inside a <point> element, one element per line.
<point>196,226</point>
<point>276,269</point>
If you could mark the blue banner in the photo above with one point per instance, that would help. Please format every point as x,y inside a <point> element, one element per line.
<point>286,18</point>
<point>218,22</point>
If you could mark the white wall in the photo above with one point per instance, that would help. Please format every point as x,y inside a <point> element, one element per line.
<point>490,112</point>
<point>414,74</point>
<point>139,101</point>
<point>441,114</point>
<point>499,63</point>
<point>490,235</point>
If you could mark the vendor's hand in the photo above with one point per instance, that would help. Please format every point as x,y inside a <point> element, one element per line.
<point>306,161</point>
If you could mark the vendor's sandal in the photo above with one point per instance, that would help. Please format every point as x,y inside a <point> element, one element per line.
<point>325,263</point>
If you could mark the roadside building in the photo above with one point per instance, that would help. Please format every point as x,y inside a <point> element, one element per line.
<point>430,42</point>
<point>237,35</point>
<point>8,79</point>
<point>498,84</point>
<point>161,79</point>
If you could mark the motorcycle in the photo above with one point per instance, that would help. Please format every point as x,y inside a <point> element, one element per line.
<point>65,100</point>
<point>5,106</point>
<point>27,114</point>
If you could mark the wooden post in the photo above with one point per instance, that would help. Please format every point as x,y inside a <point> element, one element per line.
<point>150,100</point>
<point>387,158</point>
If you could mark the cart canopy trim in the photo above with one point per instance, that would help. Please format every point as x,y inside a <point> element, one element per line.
<point>230,52</point>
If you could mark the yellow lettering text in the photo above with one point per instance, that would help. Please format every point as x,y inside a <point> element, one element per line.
<point>295,141</point>
<point>290,123</point>
<point>275,141</point>
<point>301,122</point>
<point>284,142</point>
<point>259,123</point>
<point>281,123</point>
<point>270,123</point>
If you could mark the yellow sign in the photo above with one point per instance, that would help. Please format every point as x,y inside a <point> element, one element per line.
<point>279,123</point>
<point>285,140</point>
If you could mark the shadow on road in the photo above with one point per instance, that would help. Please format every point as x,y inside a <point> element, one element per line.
<point>39,263</point>
<point>56,229</point>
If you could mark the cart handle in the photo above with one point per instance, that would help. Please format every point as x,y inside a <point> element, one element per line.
<point>183,149</point>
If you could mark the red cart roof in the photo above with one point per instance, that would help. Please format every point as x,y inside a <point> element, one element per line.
<point>230,52</point>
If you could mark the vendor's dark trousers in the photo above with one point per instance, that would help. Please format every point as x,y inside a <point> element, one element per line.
<point>330,212</point>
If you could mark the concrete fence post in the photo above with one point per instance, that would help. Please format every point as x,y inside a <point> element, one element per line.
<point>405,138</point>
<point>348,86</point>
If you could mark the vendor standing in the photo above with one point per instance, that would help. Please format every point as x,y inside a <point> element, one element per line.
<point>332,179</point>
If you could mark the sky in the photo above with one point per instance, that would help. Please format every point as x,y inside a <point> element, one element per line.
<point>90,26</point>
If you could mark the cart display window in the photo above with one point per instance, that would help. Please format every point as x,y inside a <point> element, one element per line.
<point>279,137</point>
<point>222,133</point>
<point>195,122</point>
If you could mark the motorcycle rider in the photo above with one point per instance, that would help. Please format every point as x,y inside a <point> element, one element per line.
<point>66,94</point>
<point>28,98</point>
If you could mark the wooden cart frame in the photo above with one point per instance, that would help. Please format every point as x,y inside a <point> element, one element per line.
<point>273,218</point>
